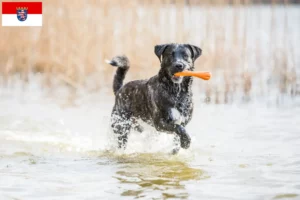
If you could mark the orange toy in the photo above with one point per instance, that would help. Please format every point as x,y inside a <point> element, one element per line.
<point>203,75</point>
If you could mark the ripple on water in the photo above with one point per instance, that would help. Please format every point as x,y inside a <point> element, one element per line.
<point>142,174</point>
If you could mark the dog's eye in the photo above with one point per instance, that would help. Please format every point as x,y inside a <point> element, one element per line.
<point>185,56</point>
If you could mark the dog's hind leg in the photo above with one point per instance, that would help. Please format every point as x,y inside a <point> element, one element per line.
<point>136,126</point>
<point>121,125</point>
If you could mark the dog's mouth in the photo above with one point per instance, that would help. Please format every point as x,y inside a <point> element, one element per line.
<point>177,79</point>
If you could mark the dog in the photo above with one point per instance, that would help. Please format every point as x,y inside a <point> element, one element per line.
<point>164,101</point>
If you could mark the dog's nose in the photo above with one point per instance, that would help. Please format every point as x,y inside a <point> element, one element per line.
<point>179,66</point>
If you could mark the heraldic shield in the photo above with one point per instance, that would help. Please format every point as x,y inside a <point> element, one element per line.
<point>22,14</point>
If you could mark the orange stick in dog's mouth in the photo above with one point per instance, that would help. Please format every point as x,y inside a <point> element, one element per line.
<point>202,75</point>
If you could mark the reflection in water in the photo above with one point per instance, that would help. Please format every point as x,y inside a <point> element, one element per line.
<point>284,196</point>
<point>155,174</point>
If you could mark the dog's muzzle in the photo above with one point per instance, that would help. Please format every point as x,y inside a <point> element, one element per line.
<point>177,67</point>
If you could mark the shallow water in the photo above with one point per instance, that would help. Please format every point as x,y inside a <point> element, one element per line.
<point>51,150</point>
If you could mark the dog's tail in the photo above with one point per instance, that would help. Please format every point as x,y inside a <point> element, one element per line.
<point>122,63</point>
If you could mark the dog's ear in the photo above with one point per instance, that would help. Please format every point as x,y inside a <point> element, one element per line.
<point>159,50</point>
<point>196,51</point>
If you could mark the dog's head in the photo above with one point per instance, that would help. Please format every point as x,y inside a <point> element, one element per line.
<point>176,58</point>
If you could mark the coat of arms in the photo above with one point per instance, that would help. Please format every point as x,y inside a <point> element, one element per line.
<point>22,13</point>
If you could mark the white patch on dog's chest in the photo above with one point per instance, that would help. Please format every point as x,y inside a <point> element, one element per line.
<point>177,116</point>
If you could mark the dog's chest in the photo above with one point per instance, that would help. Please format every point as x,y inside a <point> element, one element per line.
<point>181,112</point>
<point>177,116</point>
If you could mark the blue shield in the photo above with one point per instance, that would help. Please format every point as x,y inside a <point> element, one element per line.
<point>22,15</point>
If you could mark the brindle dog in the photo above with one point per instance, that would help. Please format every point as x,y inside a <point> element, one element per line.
<point>163,101</point>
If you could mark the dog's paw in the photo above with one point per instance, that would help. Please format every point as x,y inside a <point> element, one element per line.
<point>175,150</point>
<point>140,129</point>
<point>185,141</point>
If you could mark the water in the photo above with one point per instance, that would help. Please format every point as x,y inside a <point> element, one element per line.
<point>50,149</point>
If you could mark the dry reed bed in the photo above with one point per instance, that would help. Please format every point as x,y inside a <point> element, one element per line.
<point>251,50</point>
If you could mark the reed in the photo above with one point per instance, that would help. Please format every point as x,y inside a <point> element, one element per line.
<point>243,54</point>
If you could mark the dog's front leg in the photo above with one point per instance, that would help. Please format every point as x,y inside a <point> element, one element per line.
<point>185,139</point>
<point>161,124</point>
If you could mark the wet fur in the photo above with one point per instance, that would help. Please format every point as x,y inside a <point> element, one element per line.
<point>162,101</point>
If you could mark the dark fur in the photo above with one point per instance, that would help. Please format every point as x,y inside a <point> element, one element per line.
<point>162,101</point>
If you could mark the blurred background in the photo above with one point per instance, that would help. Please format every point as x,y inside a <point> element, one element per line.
<point>56,100</point>
<point>250,46</point>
